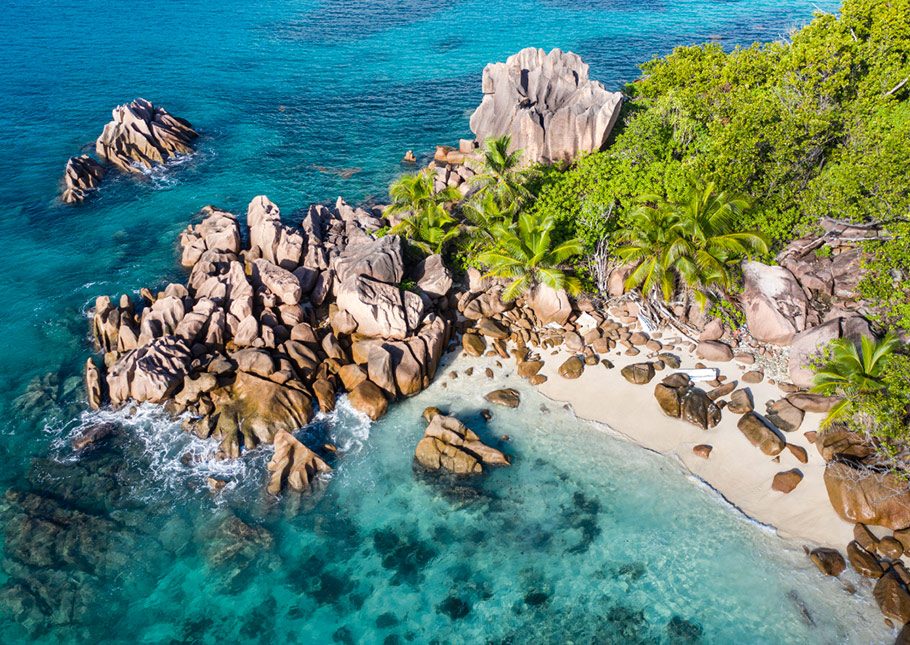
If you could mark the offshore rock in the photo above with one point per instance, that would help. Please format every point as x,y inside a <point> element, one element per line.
<point>293,465</point>
<point>449,445</point>
<point>142,136</point>
<point>82,176</point>
<point>547,104</point>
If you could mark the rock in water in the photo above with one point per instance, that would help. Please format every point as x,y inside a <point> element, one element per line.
<point>547,104</point>
<point>449,445</point>
<point>369,399</point>
<point>829,561</point>
<point>94,385</point>
<point>293,465</point>
<point>82,176</point>
<point>141,136</point>
<point>508,397</point>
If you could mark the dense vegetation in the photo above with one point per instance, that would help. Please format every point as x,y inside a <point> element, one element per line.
<point>721,156</point>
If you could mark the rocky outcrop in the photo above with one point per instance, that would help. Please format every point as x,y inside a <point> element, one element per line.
<point>508,397</point>
<point>881,499</point>
<point>293,465</point>
<point>142,136</point>
<point>82,176</point>
<point>449,445</point>
<point>244,347</point>
<point>550,305</point>
<point>547,104</point>
<point>774,303</point>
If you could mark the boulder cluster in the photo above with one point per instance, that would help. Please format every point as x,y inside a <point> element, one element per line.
<point>264,327</point>
<point>448,445</point>
<point>140,137</point>
<point>548,105</point>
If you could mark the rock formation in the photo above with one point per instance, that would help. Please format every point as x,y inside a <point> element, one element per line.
<point>680,400</point>
<point>547,104</point>
<point>81,177</point>
<point>141,136</point>
<point>449,445</point>
<point>293,465</point>
<point>239,347</point>
<point>881,499</point>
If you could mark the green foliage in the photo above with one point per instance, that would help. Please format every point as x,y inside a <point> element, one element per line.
<point>731,315</point>
<point>886,281</point>
<point>853,373</point>
<point>690,243</point>
<point>527,255</point>
<point>430,229</point>
<point>412,193</point>
<point>501,174</point>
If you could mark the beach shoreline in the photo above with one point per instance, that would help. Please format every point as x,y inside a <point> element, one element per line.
<point>736,470</point>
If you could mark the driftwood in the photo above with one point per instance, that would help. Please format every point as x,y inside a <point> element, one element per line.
<point>836,233</point>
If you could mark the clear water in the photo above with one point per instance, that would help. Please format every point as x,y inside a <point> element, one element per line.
<point>288,95</point>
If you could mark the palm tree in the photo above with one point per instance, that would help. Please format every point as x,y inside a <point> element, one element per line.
<point>850,371</point>
<point>483,214</point>
<point>429,229</point>
<point>691,242</point>
<point>526,254</point>
<point>501,173</point>
<point>412,193</point>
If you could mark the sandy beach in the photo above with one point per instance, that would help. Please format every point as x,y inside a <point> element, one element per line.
<point>738,471</point>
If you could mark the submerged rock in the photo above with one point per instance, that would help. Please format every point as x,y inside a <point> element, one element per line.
<point>507,397</point>
<point>547,104</point>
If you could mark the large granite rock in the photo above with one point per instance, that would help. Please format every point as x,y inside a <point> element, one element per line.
<point>547,104</point>
<point>141,136</point>
<point>379,308</point>
<point>269,238</point>
<point>82,176</point>
<point>449,445</point>
<point>218,231</point>
<point>433,277</point>
<point>760,434</point>
<point>774,303</point>
<point>381,260</point>
<point>293,465</point>
<point>550,305</point>
<point>150,373</point>
<point>880,499</point>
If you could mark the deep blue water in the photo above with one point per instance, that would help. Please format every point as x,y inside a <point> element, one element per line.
<point>287,96</point>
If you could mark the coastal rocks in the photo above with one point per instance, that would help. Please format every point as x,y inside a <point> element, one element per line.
<point>474,344</point>
<point>507,397</point>
<point>550,305</point>
<point>257,408</point>
<point>810,345</point>
<point>293,465</point>
<point>82,176</point>
<point>713,350</point>
<point>881,499</point>
<point>839,442</point>
<point>94,385</point>
<point>774,303</point>
<point>760,434</point>
<point>702,450</point>
<point>678,399</point>
<point>741,401</point>
<point>891,595</point>
<point>547,104</point>
<point>379,308</point>
<point>380,260</point>
<point>638,373</point>
<point>218,232</point>
<point>270,240</point>
<point>433,277</point>
<point>572,368</point>
<point>786,481</point>
<point>863,562</point>
<point>369,399</point>
<point>449,445</point>
<point>784,415</point>
<point>150,373</point>
<point>829,561</point>
<point>141,136</point>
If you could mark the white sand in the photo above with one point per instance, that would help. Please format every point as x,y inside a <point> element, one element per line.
<point>740,472</point>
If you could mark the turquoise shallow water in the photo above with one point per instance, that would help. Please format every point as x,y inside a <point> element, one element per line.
<point>585,538</point>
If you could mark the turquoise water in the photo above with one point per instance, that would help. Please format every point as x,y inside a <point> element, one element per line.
<point>584,538</point>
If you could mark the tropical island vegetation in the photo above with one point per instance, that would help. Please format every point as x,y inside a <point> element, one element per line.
<point>719,157</point>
